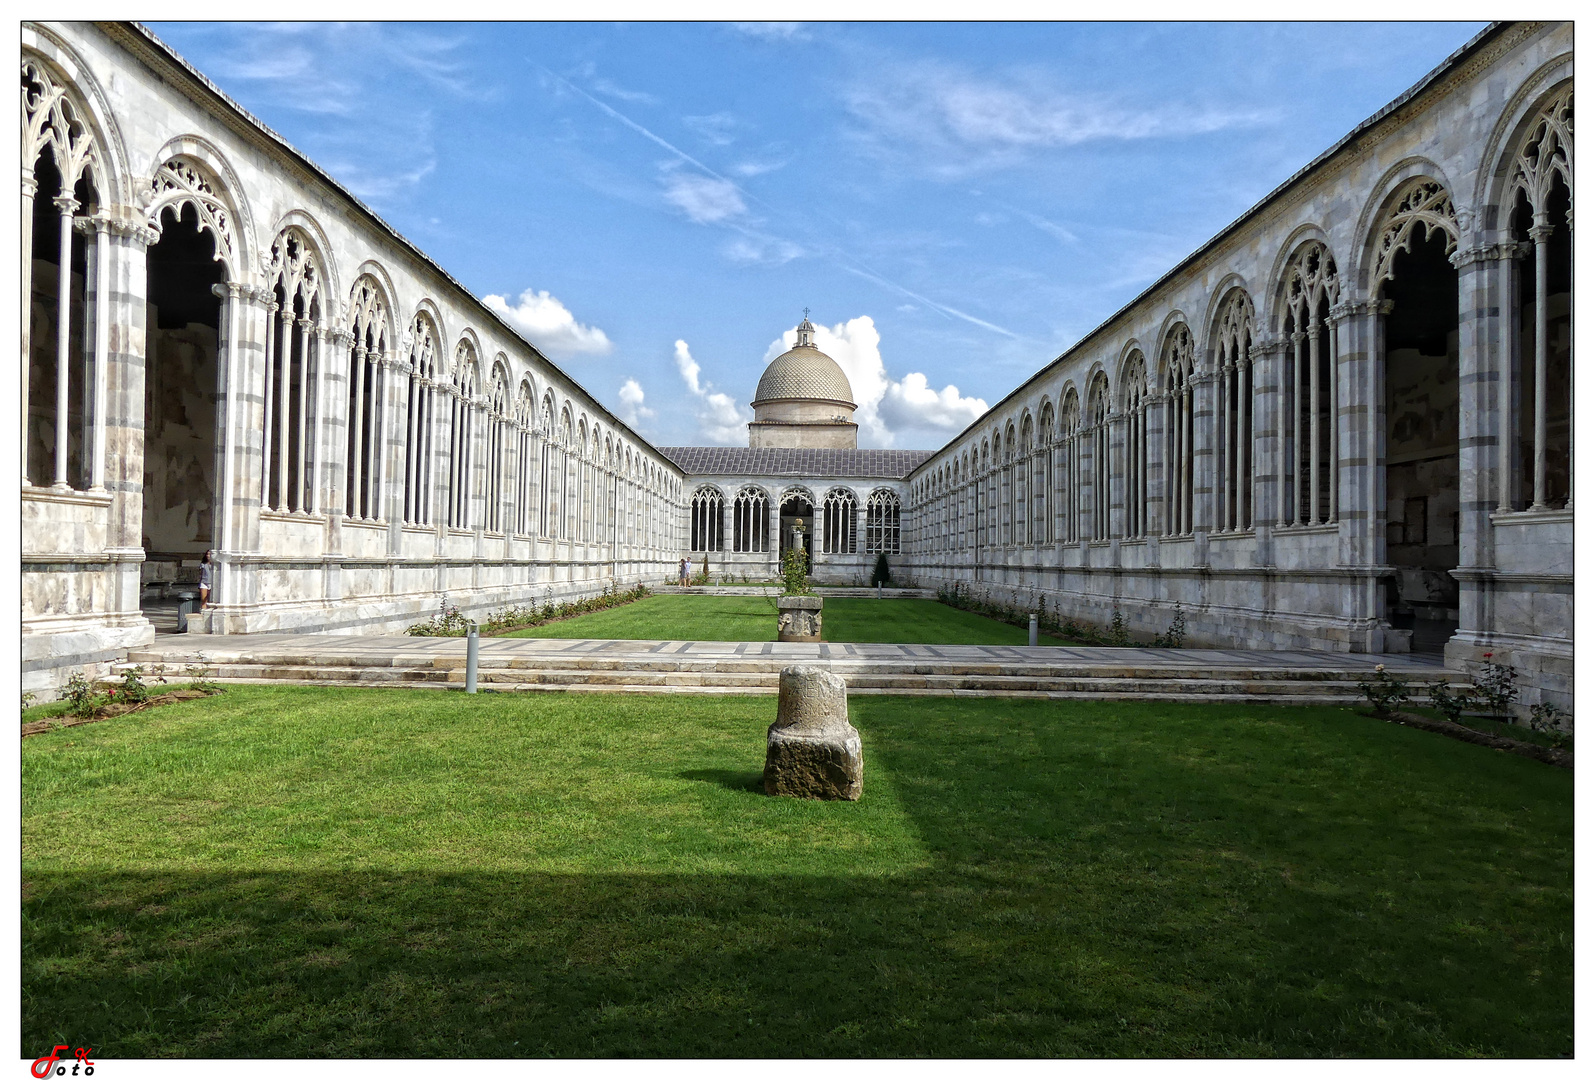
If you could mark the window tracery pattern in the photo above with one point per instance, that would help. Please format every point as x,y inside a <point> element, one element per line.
<point>180,182</point>
<point>751,520</point>
<point>1422,204</point>
<point>1539,192</point>
<point>1233,452</point>
<point>883,523</point>
<point>525,497</point>
<point>1137,408</point>
<point>708,519</point>
<point>497,456</point>
<point>1041,480</point>
<point>1069,473</point>
<point>420,420</point>
<point>1179,431</point>
<point>63,373</point>
<point>368,346</point>
<point>1097,412</point>
<point>293,362</point>
<point>549,471</point>
<point>841,519</point>
<point>1309,439</point>
<point>462,434</point>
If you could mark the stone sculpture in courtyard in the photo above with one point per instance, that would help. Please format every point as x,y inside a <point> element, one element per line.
<point>812,751</point>
<point>798,618</point>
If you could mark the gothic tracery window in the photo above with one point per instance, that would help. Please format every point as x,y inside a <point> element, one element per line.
<point>883,523</point>
<point>64,283</point>
<point>1537,472</point>
<point>750,518</point>
<point>708,519</point>
<point>1233,452</point>
<point>841,518</point>
<point>1097,414</point>
<point>420,411</point>
<point>497,455</point>
<point>293,357</point>
<point>1308,437</point>
<point>525,469</point>
<point>1137,412</point>
<point>368,345</point>
<point>1179,432</point>
<point>1069,468</point>
<point>1041,480</point>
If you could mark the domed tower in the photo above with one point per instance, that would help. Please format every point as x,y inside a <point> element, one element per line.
<point>804,399</point>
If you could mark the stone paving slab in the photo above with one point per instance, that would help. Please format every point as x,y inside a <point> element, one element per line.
<point>404,651</point>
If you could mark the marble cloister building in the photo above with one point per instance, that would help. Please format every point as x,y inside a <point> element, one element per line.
<point>1343,423</point>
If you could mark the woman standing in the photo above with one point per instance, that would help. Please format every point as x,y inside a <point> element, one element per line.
<point>204,581</point>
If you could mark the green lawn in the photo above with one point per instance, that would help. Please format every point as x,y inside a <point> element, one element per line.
<point>687,617</point>
<point>305,872</point>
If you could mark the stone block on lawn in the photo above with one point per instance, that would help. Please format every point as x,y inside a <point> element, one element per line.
<point>798,618</point>
<point>812,751</point>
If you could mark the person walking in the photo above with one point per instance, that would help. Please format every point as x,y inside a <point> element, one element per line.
<point>204,580</point>
<point>682,574</point>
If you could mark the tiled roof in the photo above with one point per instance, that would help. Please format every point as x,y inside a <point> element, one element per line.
<point>794,461</point>
<point>803,373</point>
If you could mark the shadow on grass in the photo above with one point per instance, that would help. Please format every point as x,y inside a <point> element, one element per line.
<point>731,779</point>
<point>1225,882</point>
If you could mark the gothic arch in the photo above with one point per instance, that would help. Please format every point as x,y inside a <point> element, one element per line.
<point>214,188</point>
<point>428,307</point>
<point>1384,203</point>
<point>64,65</point>
<point>1207,344</point>
<point>1510,128</point>
<point>378,273</point>
<point>1270,303</point>
<point>317,238</point>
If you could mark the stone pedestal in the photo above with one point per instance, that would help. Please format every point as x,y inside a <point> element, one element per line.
<point>798,618</point>
<point>812,751</point>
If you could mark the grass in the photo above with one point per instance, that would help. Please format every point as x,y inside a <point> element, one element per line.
<point>285,871</point>
<point>686,617</point>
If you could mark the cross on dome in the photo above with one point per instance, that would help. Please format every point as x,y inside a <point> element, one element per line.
<point>805,331</point>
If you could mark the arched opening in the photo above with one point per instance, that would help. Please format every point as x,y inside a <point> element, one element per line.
<point>60,364</point>
<point>1421,426</point>
<point>797,526</point>
<point>1541,466</point>
<point>183,317</point>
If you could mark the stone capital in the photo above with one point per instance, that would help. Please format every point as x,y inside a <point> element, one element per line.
<point>66,204</point>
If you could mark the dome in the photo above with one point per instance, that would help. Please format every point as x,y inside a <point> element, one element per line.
<point>803,373</point>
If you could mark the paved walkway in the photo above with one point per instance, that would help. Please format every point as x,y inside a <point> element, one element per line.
<point>400,649</point>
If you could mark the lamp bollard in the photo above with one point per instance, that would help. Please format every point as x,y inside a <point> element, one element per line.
<point>877,590</point>
<point>1035,633</point>
<point>471,643</point>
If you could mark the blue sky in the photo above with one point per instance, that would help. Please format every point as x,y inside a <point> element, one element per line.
<point>655,204</point>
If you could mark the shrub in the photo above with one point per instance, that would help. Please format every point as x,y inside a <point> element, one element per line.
<point>1385,693</point>
<point>1116,632</point>
<point>79,694</point>
<point>1497,685</point>
<point>1175,638</point>
<point>448,622</point>
<point>882,574</point>
<point>1450,702</point>
<point>1550,721</point>
<point>795,573</point>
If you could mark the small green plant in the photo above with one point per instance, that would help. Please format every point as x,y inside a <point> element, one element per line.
<point>702,576</point>
<point>1116,632</point>
<point>1553,723</point>
<point>29,698</point>
<point>448,622</point>
<point>199,674</point>
<point>795,573</point>
<point>1175,638</point>
<point>882,574</point>
<point>79,694</point>
<point>133,690</point>
<point>1385,693</point>
<point>1450,702</point>
<point>1497,685</point>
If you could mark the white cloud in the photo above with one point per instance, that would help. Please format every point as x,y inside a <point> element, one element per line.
<point>705,200</point>
<point>548,324</point>
<point>968,123</point>
<point>632,410</point>
<point>721,421</point>
<point>887,408</point>
<point>715,128</point>
<point>757,168</point>
<point>614,90</point>
<point>751,249</point>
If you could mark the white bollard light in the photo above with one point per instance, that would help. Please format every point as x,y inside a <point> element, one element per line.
<point>471,644</point>
<point>1035,632</point>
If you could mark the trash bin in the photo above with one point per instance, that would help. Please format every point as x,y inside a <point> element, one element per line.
<point>187,604</point>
